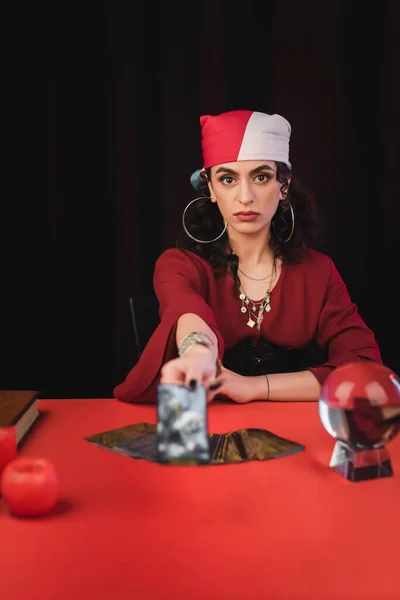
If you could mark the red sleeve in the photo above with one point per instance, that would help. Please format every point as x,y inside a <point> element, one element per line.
<point>341,330</point>
<point>180,283</point>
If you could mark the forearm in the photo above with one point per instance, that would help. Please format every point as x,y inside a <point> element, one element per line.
<point>188,323</point>
<point>286,387</point>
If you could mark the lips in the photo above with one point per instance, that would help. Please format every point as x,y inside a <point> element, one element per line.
<point>247,216</point>
<point>246,213</point>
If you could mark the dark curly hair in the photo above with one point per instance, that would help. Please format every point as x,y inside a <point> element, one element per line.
<point>204,221</point>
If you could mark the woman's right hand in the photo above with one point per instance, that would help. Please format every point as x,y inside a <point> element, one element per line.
<point>196,367</point>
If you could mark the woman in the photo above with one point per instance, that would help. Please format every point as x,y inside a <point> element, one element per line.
<point>247,308</point>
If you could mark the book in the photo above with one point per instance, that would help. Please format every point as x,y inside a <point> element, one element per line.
<point>19,408</point>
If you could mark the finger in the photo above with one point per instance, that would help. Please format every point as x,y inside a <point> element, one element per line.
<point>214,389</point>
<point>171,380</point>
<point>193,377</point>
<point>209,380</point>
<point>173,373</point>
<point>200,373</point>
<point>212,395</point>
<point>214,386</point>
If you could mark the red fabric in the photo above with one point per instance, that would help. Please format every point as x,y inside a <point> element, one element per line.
<point>284,529</point>
<point>180,282</point>
<point>310,301</point>
<point>227,130</point>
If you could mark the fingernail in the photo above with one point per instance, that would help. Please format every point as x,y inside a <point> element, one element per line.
<point>192,384</point>
<point>215,386</point>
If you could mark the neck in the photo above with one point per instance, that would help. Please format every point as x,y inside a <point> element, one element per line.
<point>252,249</point>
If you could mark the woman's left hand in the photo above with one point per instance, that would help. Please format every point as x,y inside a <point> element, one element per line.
<point>235,387</point>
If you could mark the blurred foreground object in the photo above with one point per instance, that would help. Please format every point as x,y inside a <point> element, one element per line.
<point>359,406</point>
<point>182,428</point>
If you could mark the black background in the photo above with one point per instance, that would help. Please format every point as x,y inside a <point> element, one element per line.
<point>102,134</point>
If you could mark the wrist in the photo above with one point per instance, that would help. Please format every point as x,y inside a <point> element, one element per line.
<point>199,350</point>
<point>193,339</point>
<point>261,388</point>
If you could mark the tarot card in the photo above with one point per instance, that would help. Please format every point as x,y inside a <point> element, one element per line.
<point>182,428</point>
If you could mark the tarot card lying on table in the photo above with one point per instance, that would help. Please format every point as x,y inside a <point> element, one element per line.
<point>140,441</point>
<point>181,435</point>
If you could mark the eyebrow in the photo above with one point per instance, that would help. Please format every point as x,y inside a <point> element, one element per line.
<point>253,172</point>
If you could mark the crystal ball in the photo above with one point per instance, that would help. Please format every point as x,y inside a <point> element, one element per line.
<point>359,404</point>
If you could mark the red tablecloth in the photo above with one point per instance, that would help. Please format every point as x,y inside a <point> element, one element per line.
<point>288,528</point>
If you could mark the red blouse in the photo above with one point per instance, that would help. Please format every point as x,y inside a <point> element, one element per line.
<point>310,302</point>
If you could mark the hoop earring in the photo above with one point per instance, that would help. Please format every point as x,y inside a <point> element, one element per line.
<point>192,236</point>
<point>292,228</point>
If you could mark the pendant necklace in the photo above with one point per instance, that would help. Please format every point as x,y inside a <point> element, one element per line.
<point>263,306</point>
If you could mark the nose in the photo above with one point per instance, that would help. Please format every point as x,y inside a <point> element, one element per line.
<point>245,194</point>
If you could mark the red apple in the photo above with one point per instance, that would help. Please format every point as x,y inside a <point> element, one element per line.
<point>8,446</point>
<point>30,486</point>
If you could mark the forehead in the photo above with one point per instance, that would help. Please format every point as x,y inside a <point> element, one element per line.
<point>244,167</point>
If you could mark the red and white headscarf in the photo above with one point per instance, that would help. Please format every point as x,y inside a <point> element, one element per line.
<point>244,135</point>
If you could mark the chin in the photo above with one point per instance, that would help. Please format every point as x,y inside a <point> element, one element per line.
<point>249,227</point>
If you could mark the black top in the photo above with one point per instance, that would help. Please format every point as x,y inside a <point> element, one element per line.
<point>264,357</point>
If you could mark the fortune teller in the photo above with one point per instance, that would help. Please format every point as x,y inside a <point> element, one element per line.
<point>249,307</point>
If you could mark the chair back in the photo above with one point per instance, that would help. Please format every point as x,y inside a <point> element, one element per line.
<point>145,318</point>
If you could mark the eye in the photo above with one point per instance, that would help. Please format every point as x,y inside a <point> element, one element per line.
<point>262,177</point>
<point>228,179</point>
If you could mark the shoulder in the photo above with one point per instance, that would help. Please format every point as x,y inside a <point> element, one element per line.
<point>176,256</point>
<point>316,262</point>
<point>318,269</point>
<point>315,258</point>
<point>314,268</point>
<point>182,262</point>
